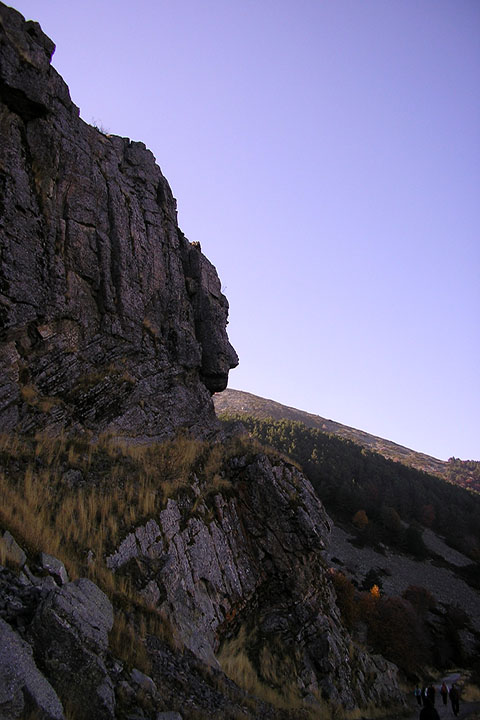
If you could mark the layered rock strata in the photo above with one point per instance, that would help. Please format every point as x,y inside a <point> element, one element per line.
<point>110,319</point>
<point>53,646</point>
<point>234,565</point>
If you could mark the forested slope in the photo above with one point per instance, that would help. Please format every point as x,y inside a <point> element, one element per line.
<point>238,402</point>
<point>390,499</point>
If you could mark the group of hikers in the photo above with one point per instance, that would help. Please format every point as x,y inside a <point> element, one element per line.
<point>426,698</point>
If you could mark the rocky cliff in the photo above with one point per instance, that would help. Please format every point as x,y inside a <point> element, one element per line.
<point>232,565</point>
<point>240,572</point>
<point>215,599</point>
<point>110,319</point>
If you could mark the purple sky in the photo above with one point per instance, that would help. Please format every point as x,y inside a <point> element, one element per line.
<point>326,154</point>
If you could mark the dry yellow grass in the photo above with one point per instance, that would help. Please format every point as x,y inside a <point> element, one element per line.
<point>124,485</point>
<point>128,642</point>
<point>272,681</point>
<point>29,393</point>
<point>118,487</point>
<point>470,693</point>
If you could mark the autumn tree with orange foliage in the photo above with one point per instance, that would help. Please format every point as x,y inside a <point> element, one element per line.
<point>360,520</point>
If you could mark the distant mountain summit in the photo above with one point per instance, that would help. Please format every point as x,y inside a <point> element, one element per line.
<point>236,401</point>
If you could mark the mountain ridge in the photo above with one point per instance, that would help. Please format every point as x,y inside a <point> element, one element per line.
<point>239,401</point>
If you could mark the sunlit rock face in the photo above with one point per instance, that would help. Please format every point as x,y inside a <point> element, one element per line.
<point>110,319</point>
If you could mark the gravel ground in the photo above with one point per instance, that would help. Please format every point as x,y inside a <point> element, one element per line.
<point>467,710</point>
<point>440,547</point>
<point>402,571</point>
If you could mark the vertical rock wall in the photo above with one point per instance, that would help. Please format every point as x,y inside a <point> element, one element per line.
<point>109,318</point>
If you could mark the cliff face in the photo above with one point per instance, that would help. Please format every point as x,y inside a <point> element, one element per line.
<point>239,572</point>
<point>110,319</point>
<point>232,566</point>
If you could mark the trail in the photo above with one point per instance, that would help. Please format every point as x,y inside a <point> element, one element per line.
<point>466,710</point>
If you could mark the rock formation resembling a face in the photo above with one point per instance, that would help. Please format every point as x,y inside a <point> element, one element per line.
<point>111,320</point>
<point>210,308</point>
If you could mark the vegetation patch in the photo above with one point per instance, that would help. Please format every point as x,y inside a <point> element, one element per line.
<point>77,499</point>
<point>388,502</point>
<point>262,670</point>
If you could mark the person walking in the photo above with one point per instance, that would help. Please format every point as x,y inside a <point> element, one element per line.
<point>418,694</point>
<point>431,694</point>
<point>428,712</point>
<point>454,699</point>
<point>444,693</point>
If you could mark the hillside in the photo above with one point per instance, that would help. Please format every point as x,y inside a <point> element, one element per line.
<point>409,537</point>
<point>464,473</point>
<point>350,479</point>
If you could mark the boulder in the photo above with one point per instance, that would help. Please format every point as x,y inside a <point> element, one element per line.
<point>23,688</point>
<point>143,681</point>
<point>11,550</point>
<point>54,567</point>
<point>70,638</point>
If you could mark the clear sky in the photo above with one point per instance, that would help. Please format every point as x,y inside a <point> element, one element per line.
<point>326,154</point>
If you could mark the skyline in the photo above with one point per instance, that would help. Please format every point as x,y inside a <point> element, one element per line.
<point>326,156</point>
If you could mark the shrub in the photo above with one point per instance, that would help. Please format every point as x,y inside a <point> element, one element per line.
<point>360,519</point>
<point>420,599</point>
<point>345,592</point>
<point>396,632</point>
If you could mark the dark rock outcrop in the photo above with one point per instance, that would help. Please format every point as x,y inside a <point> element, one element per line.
<point>22,687</point>
<point>239,574</point>
<point>110,319</point>
<point>70,634</point>
<point>241,571</point>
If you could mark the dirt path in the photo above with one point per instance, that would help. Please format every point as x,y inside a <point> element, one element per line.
<point>467,710</point>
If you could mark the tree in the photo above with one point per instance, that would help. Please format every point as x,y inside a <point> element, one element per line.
<point>360,519</point>
<point>397,633</point>
<point>419,598</point>
<point>345,597</point>
<point>414,543</point>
